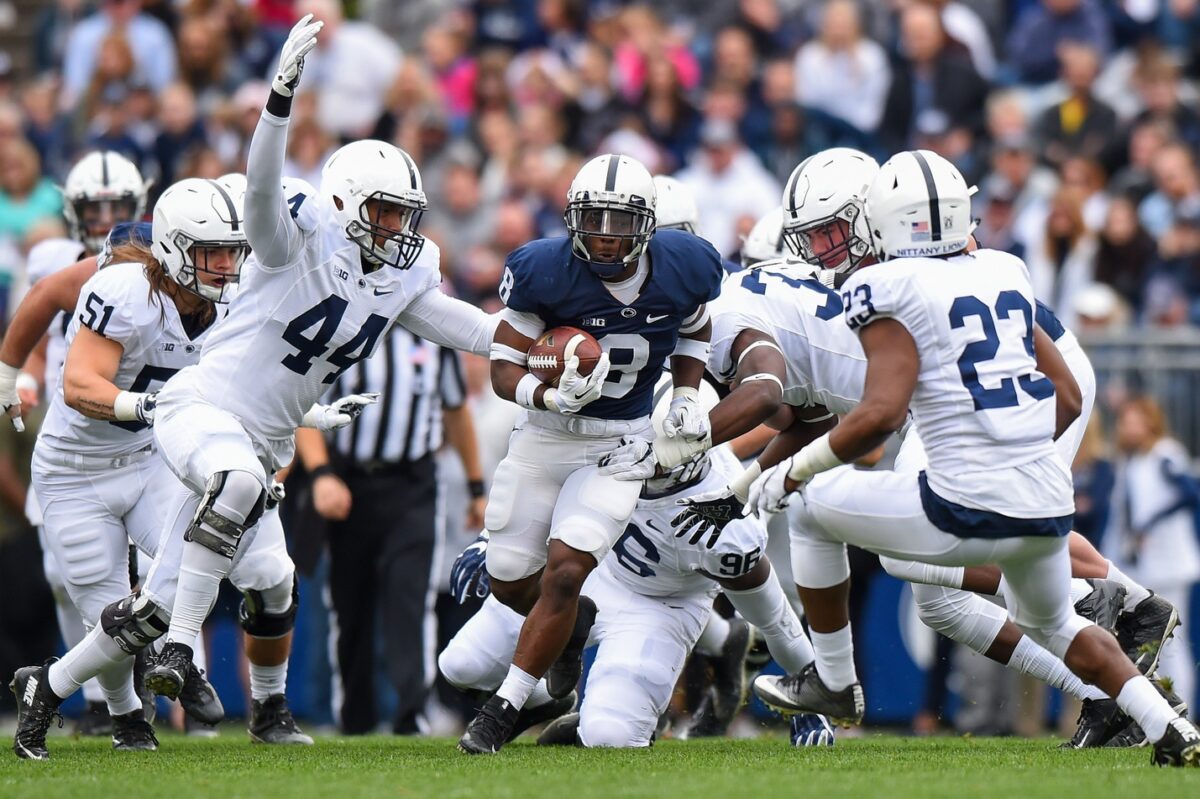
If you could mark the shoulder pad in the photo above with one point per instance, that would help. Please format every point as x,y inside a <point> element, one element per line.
<point>114,303</point>
<point>303,203</point>
<point>51,255</point>
<point>534,274</point>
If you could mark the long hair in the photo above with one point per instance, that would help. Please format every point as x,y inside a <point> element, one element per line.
<point>161,283</point>
<point>1152,412</point>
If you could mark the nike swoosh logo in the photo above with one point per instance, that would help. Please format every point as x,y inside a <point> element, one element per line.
<point>651,318</point>
<point>379,293</point>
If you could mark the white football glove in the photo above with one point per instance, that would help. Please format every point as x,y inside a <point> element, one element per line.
<point>575,390</point>
<point>686,418</point>
<point>338,413</point>
<point>9,401</point>
<point>275,494</point>
<point>632,460</point>
<point>301,39</point>
<point>768,494</point>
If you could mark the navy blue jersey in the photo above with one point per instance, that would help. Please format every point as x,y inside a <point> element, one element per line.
<point>544,278</point>
<point>1048,322</point>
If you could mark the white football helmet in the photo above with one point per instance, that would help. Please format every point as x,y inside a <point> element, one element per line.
<point>367,170</point>
<point>918,206</point>
<point>235,183</point>
<point>610,204</point>
<point>826,188</point>
<point>102,189</point>
<point>675,205</point>
<point>764,242</point>
<point>693,470</point>
<point>191,218</point>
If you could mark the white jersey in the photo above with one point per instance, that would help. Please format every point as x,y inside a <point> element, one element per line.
<point>650,560</point>
<point>292,329</point>
<point>46,258</point>
<point>825,362</point>
<point>985,414</point>
<point>116,303</point>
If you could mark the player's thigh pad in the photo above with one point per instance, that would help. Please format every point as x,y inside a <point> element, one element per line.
<point>1037,590</point>
<point>521,504</point>
<point>818,559</point>
<point>593,510</point>
<point>959,615</point>
<point>198,441</point>
<point>479,655</point>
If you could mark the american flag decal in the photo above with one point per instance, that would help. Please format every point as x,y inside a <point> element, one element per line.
<point>919,231</point>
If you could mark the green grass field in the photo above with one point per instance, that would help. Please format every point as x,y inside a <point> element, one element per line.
<point>340,768</point>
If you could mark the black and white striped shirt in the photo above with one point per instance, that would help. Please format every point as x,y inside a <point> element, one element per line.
<point>415,379</point>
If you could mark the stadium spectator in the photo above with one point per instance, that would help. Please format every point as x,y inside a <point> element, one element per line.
<point>1080,124</point>
<point>664,109</point>
<point>964,25</point>
<point>1034,41</point>
<point>929,78</point>
<point>182,129</point>
<point>149,41</point>
<point>1176,188</point>
<point>1158,86</point>
<point>1061,255</point>
<point>1126,252</point>
<point>1151,532</point>
<point>842,73</point>
<point>26,197</point>
<point>1086,176</point>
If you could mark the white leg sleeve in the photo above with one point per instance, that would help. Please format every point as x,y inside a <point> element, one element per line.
<point>959,615</point>
<point>767,608</point>
<point>916,572</point>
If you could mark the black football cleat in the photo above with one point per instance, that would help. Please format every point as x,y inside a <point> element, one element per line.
<point>806,693</point>
<point>37,707</point>
<point>1103,605</point>
<point>1099,721</point>
<point>142,662</point>
<point>169,670</point>
<point>199,699</point>
<point>1179,746</point>
<point>563,731</point>
<point>1143,631</point>
<point>705,723</point>
<point>272,722</point>
<point>95,721</point>
<point>132,733</point>
<point>491,728</point>
<point>1133,735</point>
<point>543,713</point>
<point>564,673</point>
<point>729,673</point>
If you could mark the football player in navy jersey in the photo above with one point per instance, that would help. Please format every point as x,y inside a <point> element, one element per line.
<point>551,516</point>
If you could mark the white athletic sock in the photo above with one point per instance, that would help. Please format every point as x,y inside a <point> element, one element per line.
<point>517,687</point>
<point>767,608</point>
<point>1134,592</point>
<point>267,681</point>
<point>1030,658</point>
<point>117,683</point>
<point>714,634</point>
<point>95,653</point>
<point>1079,589</point>
<point>1141,702</point>
<point>200,654</point>
<point>200,575</point>
<point>835,658</point>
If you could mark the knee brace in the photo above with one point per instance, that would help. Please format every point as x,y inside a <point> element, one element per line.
<point>258,622</point>
<point>959,615</point>
<point>134,622</point>
<point>234,490</point>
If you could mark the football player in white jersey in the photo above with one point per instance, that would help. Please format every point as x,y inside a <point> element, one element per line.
<point>102,189</point>
<point>675,206</point>
<point>331,270</point>
<point>951,334</point>
<point>653,595</point>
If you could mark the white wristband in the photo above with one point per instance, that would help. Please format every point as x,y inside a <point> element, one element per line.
<point>686,392</point>
<point>741,485</point>
<point>524,392</point>
<point>27,382</point>
<point>8,374</point>
<point>817,457</point>
<point>691,348</point>
<point>125,406</point>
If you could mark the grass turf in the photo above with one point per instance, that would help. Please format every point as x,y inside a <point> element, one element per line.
<point>340,768</point>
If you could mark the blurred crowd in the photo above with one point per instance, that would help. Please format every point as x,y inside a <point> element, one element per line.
<point>1077,119</point>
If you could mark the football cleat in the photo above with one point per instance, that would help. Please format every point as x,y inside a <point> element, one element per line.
<point>169,670</point>
<point>1099,721</point>
<point>705,723</point>
<point>1143,631</point>
<point>199,729</point>
<point>199,699</point>
<point>563,731</point>
<point>132,733</point>
<point>806,693</point>
<point>547,711</point>
<point>810,729</point>
<point>95,721</point>
<point>1179,746</point>
<point>1133,735</point>
<point>37,707</point>
<point>490,729</point>
<point>729,673</point>
<point>142,662</point>
<point>563,675</point>
<point>271,722</point>
<point>1103,605</point>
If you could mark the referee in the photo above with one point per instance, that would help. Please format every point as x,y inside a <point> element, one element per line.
<point>375,483</point>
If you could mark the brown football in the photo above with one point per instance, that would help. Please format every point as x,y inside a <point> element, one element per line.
<point>549,354</point>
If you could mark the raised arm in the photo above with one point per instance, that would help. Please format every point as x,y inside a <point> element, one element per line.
<point>270,228</point>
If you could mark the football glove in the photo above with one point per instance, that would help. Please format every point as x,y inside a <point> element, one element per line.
<point>707,513</point>
<point>468,576</point>
<point>339,413</point>
<point>633,459</point>
<point>768,494</point>
<point>9,401</point>
<point>810,729</point>
<point>301,39</point>
<point>275,494</point>
<point>686,418</point>
<point>575,390</point>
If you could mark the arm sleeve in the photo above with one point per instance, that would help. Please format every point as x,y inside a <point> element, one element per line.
<point>449,322</point>
<point>270,229</point>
